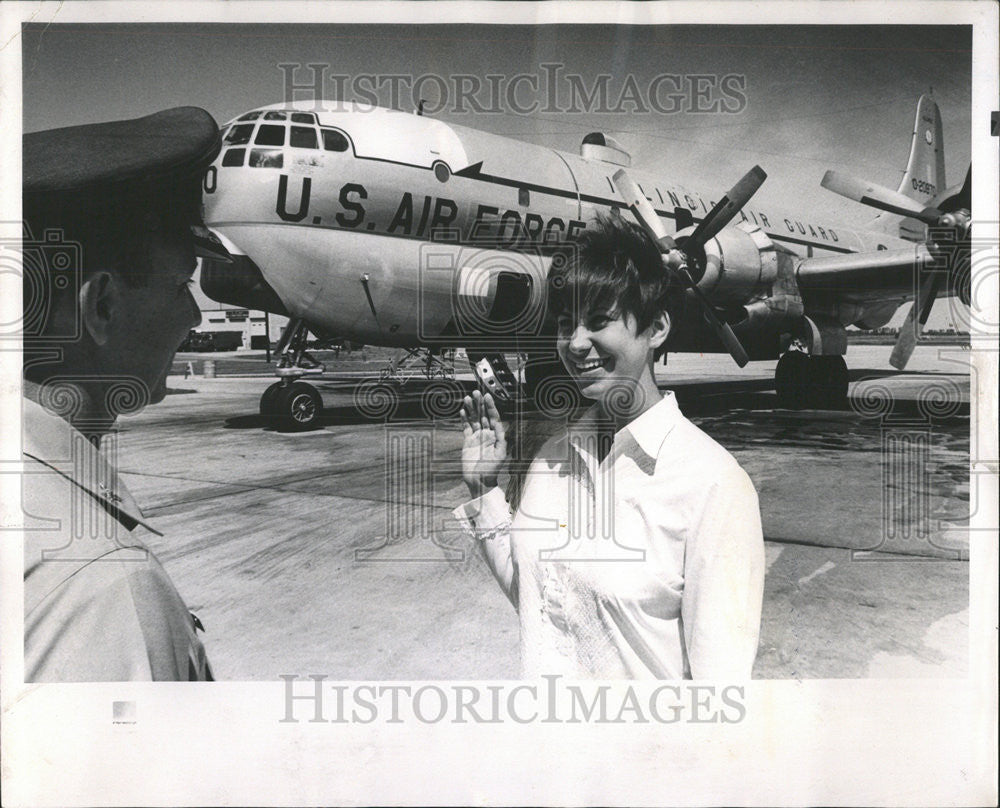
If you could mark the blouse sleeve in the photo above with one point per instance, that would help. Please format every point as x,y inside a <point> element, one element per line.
<point>488,519</point>
<point>724,581</point>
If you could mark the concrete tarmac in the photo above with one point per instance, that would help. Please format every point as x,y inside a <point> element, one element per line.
<point>302,555</point>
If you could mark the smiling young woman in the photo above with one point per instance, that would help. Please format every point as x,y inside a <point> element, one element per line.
<point>635,550</point>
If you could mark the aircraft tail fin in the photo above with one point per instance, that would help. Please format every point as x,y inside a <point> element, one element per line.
<point>924,176</point>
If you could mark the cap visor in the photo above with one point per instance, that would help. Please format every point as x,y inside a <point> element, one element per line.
<point>206,245</point>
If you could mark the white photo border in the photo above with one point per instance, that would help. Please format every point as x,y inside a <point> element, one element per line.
<point>919,742</point>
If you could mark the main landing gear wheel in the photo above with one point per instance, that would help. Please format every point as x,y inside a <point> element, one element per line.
<point>803,381</point>
<point>299,406</point>
<point>833,385</point>
<point>268,399</point>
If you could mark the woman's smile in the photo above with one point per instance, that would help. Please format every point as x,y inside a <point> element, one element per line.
<point>591,365</point>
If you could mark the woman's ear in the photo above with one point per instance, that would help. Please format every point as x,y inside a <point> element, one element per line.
<point>659,330</point>
<point>97,299</point>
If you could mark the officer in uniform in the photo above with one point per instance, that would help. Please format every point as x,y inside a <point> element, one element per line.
<point>112,228</point>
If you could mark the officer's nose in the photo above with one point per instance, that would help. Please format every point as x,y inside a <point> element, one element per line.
<point>195,311</point>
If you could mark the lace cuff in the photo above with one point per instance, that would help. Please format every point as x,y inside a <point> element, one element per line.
<point>485,517</point>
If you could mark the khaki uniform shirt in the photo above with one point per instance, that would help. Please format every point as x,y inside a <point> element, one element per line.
<point>98,606</point>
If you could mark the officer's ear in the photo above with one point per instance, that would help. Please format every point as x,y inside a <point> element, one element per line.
<point>98,299</point>
<point>659,330</point>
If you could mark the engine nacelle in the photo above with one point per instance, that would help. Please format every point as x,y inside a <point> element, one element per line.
<point>741,263</point>
<point>774,313</point>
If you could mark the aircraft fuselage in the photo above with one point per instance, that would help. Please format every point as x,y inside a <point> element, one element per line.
<point>395,229</point>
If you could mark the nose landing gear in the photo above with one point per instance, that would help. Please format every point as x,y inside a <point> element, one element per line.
<point>296,405</point>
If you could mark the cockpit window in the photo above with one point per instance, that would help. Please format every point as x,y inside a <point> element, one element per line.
<point>266,158</point>
<point>303,137</point>
<point>250,116</point>
<point>334,141</point>
<point>275,115</point>
<point>233,157</point>
<point>270,135</point>
<point>239,134</point>
<point>303,117</point>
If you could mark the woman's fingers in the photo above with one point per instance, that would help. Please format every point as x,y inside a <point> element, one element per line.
<point>493,416</point>
<point>486,407</point>
<point>479,414</point>
<point>464,418</point>
<point>470,416</point>
<point>491,408</point>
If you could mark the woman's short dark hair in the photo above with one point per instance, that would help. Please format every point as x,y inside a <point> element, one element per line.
<point>614,265</point>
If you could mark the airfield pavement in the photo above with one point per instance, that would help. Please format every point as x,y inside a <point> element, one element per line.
<point>302,556</point>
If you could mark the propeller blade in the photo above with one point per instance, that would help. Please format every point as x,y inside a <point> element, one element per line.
<point>964,198</point>
<point>722,329</point>
<point>956,197</point>
<point>727,207</point>
<point>643,210</point>
<point>915,321</point>
<point>905,342</point>
<point>651,223</point>
<point>682,218</point>
<point>878,196</point>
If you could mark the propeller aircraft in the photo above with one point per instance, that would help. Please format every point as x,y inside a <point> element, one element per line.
<point>396,229</point>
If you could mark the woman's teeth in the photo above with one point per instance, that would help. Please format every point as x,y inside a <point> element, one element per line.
<point>583,367</point>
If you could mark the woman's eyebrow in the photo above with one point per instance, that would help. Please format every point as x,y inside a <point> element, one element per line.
<point>603,311</point>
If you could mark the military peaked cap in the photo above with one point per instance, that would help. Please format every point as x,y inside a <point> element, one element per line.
<point>120,156</point>
<point>155,161</point>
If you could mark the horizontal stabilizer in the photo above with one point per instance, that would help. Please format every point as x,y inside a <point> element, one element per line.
<point>921,184</point>
<point>878,196</point>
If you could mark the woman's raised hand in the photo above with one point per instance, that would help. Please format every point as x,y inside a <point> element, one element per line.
<point>485,448</point>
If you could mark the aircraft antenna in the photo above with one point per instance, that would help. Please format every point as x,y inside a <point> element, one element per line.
<point>371,303</point>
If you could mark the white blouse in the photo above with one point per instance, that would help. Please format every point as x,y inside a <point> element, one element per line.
<point>646,564</point>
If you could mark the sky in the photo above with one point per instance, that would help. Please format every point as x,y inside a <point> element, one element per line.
<point>803,98</point>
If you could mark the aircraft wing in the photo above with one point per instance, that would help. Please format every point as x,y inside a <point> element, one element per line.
<point>861,277</point>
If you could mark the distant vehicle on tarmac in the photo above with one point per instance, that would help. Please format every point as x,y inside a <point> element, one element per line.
<point>205,341</point>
